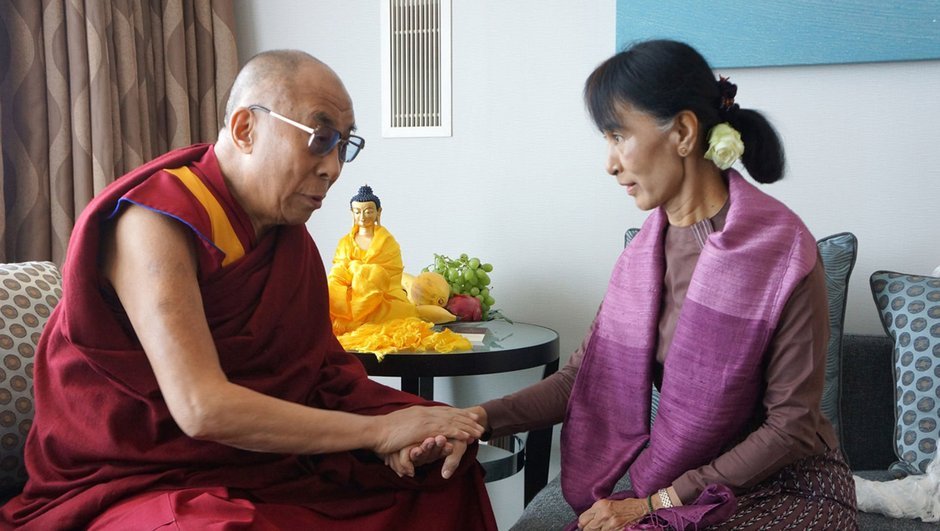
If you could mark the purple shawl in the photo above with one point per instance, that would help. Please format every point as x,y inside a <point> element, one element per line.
<point>713,373</point>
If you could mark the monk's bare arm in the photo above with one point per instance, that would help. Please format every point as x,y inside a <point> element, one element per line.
<point>151,264</point>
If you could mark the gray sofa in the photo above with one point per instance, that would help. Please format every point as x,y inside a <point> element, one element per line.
<point>867,416</point>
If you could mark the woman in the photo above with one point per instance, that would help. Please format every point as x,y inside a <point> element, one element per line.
<point>365,281</point>
<point>719,302</point>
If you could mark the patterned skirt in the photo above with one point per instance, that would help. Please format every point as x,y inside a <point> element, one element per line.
<point>816,492</point>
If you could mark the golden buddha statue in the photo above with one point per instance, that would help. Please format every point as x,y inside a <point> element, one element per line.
<point>365,280</point>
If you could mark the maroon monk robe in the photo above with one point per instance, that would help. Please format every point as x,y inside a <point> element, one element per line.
<point>103,435</point>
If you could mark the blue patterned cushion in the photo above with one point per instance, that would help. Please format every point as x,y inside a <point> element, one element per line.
<point>909,306</point>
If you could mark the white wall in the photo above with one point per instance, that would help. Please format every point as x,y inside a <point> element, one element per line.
<point>521,183</point>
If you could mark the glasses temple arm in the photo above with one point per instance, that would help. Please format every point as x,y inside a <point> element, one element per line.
<point>298,125</point>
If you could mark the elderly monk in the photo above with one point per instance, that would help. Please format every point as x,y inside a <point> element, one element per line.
<point>189,376</point>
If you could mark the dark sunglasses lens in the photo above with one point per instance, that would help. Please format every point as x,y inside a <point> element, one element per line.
<point>323,140</point>
<point>351,148</point>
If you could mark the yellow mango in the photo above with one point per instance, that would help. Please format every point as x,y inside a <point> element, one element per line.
<point>428,288</point>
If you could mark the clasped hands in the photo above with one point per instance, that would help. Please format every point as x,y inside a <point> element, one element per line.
<point>419,435</point>
<point>404,461</point>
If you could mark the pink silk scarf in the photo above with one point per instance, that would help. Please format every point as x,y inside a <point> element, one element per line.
<point>712,377</point>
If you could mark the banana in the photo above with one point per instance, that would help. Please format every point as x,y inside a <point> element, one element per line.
<point>435,314</point>
<point>406,282</point>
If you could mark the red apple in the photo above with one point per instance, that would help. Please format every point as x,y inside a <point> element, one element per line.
<point>465,307</point>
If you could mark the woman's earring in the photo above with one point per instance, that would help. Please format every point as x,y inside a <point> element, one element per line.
<point>683,151</point>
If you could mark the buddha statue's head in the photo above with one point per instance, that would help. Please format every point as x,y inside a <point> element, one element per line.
<point>366,208</point>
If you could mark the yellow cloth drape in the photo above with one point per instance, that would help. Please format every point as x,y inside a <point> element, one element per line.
<point>365,285</point>
<point>402,335</point>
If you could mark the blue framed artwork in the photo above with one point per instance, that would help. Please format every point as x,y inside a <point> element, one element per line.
<point>742,33</point>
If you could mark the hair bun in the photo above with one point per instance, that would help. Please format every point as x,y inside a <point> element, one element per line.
<point>727,91</point>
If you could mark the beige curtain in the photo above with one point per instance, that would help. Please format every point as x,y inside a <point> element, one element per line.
<point>90,89</point>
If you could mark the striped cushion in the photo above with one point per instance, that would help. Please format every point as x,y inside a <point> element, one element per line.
<point>838,255</point>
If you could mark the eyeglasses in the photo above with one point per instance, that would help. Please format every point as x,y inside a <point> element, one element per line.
<point>323,138</point>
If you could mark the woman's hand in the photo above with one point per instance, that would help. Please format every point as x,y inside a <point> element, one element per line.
<point>414,425</point>
<point>451,450</point>
<point>608,515</point>
<point>482,417</point>
<point>405,461</point>
<point>452,461</point>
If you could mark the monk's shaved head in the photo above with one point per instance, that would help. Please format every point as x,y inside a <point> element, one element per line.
<point>278,102</point>
<point>269,77</point>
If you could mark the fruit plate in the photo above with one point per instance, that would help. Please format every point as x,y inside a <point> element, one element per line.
<point>471,330</point>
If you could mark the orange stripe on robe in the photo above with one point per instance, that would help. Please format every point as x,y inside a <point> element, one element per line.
<point>103,437</point>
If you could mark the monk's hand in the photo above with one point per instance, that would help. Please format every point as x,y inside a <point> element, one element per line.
<point>607,515</point>
<point>399,463</point>
<point>411,426</point>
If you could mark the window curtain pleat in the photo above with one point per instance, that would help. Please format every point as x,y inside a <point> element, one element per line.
<point>90,89</point>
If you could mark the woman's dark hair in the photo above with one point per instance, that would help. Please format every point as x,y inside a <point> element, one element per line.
<point>365,195</point>
<point>663,78</point>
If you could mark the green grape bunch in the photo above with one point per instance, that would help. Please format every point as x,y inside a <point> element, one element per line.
<point>466,276</point>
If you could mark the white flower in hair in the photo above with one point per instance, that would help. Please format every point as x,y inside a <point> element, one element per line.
<point>724,145</point>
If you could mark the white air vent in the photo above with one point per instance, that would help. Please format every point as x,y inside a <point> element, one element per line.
<point>416,99</point>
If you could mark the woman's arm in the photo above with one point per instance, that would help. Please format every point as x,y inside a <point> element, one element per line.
<point>151,264</point>
<point>540,405</point>
<point>795,375</point>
